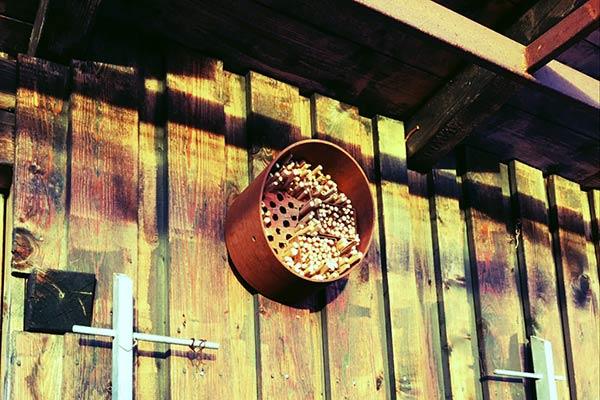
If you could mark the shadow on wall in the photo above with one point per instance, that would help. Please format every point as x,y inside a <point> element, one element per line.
<point>262,133</point>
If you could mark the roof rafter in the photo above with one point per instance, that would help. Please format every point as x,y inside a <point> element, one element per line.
<point>60,27</point>
<point>487,48</point>
<point>480,90</point>
<point>563,35</point>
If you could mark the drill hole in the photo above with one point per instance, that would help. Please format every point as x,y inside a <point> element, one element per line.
<point>286,223</point>
<point>270,237</point>
<point>281,245</point>
<point>279,197</point>
<point>278,231</point>
<point>290,205</point>
<point>288,236</point>
<point>294,218</point>
<point>282,209</point>
<point>272,204</point>
<point>275,217</point>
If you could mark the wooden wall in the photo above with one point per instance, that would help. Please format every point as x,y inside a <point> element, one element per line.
<point>131,169</point>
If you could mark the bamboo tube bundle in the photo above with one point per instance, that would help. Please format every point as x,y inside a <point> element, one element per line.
<point>309,223</point>
<point>316,219</point>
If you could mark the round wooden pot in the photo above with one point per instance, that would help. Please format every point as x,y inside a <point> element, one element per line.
<point>247,243</point>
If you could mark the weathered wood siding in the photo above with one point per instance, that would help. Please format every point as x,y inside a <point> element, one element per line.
<point>121,169</point>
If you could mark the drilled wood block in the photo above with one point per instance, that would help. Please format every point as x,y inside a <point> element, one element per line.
<point>57,300</point>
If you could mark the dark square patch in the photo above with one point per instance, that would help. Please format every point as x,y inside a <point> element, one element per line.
<point>57,300</point>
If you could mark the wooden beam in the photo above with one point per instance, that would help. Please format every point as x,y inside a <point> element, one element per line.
<point>486,47</point>
<point>13,35</point>
<point>60,31</point>
<point>38,24</point>
<point>475,93</point>
<point>561,36</point>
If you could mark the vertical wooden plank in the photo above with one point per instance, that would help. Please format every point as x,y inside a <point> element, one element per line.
<point>7,146</point>
<point>594,199</point>
<point>12,293</point>
<point>421,253</point>
<point>40,166</point>
<point>578,282</point>
<point>39,230</point>
<point>5,259</point>
<point>103,215</point>
<point>355,317</point>
<point>3,246</point>
<point>534,250</point>
<point>152,311</point>
<point>8,82</point>
<point>242,311</point>
<point>37,366</point>
<point>413,359</point>
<point>455,286</point>
<point>492,253</point>
<point>588,222</point>
<point>289,338</point>
<point>400,283</point>
<point>202,302</point>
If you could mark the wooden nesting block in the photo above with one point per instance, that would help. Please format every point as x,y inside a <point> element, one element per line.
<point>281,217</point>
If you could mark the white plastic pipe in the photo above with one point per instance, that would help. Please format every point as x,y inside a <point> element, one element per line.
<point>122,324</point>
<point>147,337</point>
<point>88,330</point>
<point>517,374</point>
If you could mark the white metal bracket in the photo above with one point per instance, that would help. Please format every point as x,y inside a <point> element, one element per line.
<point>124,338</point>
<point>543,367</point>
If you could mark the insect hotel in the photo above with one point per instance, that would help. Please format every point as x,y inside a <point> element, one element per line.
<point>257,200</point>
